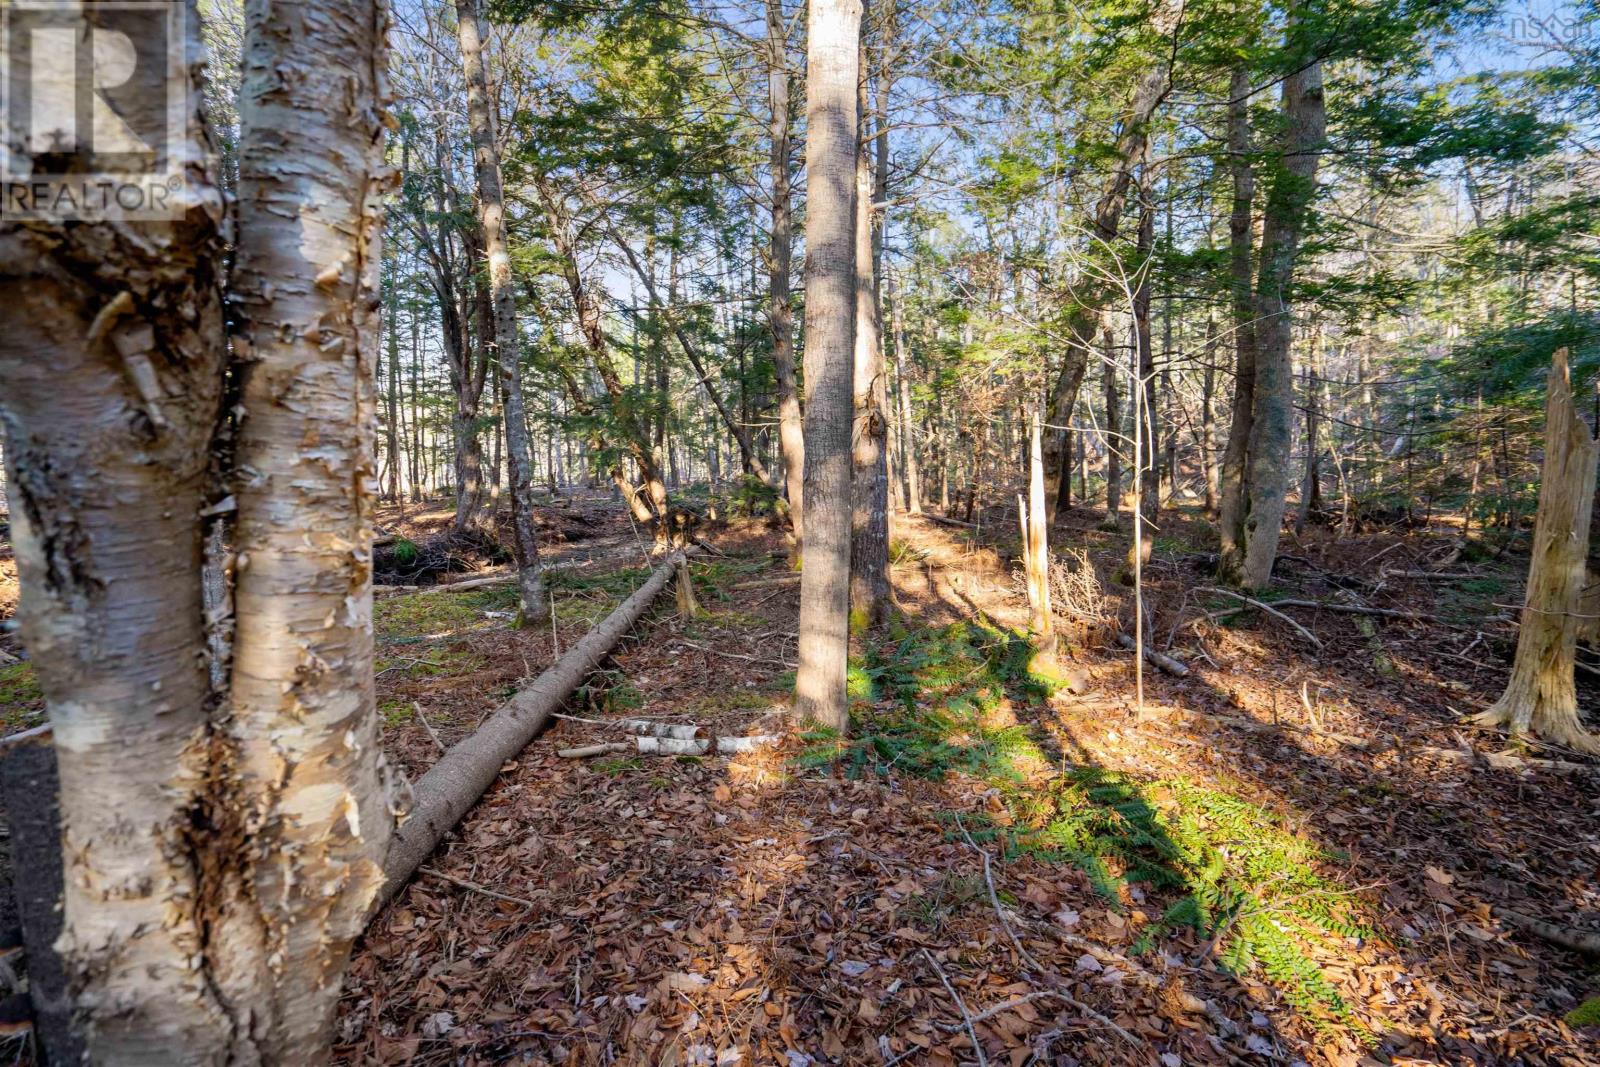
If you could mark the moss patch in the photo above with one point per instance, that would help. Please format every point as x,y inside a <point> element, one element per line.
<point>21,701</point>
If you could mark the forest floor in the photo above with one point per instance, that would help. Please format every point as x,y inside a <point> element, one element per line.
<point>1292,854</point>
<point>1297,853</point>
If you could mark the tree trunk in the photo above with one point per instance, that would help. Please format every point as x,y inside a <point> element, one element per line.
<point>1210,469</point>
<point>1083,320</point>
<point>1113,427</point>
<point>1148,467</point>
<point>532,599</point>
<point>1036,553</point>
<point>593,329</point>
<point>111,384</point>
<point>909,462</point>
<point>30,790</point>
<point>835,36</point>
<point>1540,698</point>
<point>1234,477</point>
<point>780,311</point>
<point>1288,205</point>
<point>869,518</point>
<point>301,840</point>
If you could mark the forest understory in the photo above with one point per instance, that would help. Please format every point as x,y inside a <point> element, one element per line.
<point>1295,853</point>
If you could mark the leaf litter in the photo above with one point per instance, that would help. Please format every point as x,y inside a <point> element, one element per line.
<point>785,906</point>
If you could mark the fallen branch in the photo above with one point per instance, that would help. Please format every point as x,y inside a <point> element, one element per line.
<point>736,655</point>
<point>454,784</point>
<point>1351,609</point>
<point>426,725</point>
<point>1586,942</point>
<point>1268,608</point>
<point>949,522</point>
<point>673,746</point>
<point>475,887</point>
<point>603,748</point>
<point>1161,660</point>
<point>972,1031</point>
<point>641,726</point>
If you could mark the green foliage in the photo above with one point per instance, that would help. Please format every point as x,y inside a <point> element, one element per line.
<point>405,551</point>
<point>20,697</point>
<point>1585,1014</point>
<point>1219,865</point>
<point>395,712</point>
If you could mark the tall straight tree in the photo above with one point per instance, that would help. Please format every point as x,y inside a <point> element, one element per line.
<point>1241,232</point>
<point>532,600</point>
<point>869,517</point>
<point>780,312</point>
<point>1293,187</point>
<point>831,77</point>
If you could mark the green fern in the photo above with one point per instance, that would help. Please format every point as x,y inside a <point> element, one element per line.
<point>1219,865</point>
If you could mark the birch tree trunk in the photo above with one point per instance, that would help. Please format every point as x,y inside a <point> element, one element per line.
<point>1294,187</point>
<point>835,36</point>
<point>111,376</point>
<point>780,311</point>
<point>300,837</point>
<point>1540,698</point>
<point>869,517</point>
<point>1233,479</point>
<point>532,599</point>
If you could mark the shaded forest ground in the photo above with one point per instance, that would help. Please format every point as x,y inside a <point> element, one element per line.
<point>1292,855</point>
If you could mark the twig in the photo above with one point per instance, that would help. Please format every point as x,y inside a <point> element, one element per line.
<point>736,655</point>
<point>423,719</point>
<point>406,666</point>
<point>1027,957</point>
<point>972,1031</point>
<point>1269,609</point>
<point>475,887</point>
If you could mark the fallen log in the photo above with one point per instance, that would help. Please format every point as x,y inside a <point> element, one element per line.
<point>1572,938</point>
<point>462,775</point>
<point>1164,662</point>
<point>931,517</point>
<point>672,746</point>
<point>641,726</point>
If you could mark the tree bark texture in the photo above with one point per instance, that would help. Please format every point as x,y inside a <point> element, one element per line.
<point>30,791</point>
<point>110,390</point>
<point>302,835</point>
<point>1294,186</point>
<point>869,487</point>
<point>1233,478</point>
<point>532,599</point>
<point>780,310</point>
<point>1540,697</point>
<point>834,35</point>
